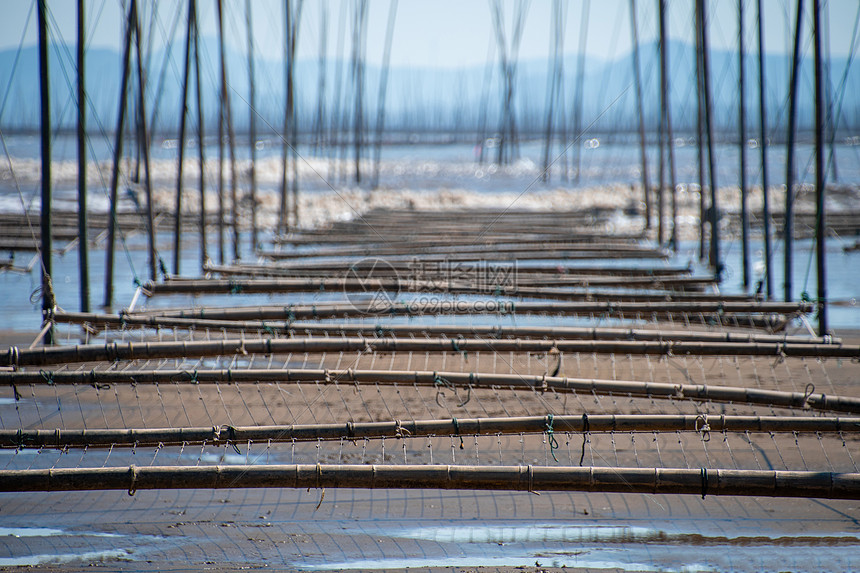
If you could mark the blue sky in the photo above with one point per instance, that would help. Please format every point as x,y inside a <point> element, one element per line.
<point>437,33</point>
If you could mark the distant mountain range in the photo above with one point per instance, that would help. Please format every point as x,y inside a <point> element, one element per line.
<point>421,98</point>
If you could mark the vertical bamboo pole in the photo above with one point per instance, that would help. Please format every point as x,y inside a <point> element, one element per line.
<point>283,224</point>
<point>117,156</point>
<point>666,105</point>
<point>788,223</point>
<point>763,146</point>
<point>383,89</point>
<point>820,222</point>
<point>252,127</point>
<point>83,244</point>
<point>700,130</point>
<point>177,223</point>
<point>144,140</point>
<point>714,253</point>
<point>646,191</point>
<point>742,147</point>
<point>227,113</point>
<point>200,138</point>
<point>580,87</point>
<point>44,92</point>
<point>221,98</point>
<point>661,131</point>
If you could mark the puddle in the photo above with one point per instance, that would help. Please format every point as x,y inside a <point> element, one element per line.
<point>34,560</point>
<point>533,534</point>
<point>500,561</point>
<point>48,532</point>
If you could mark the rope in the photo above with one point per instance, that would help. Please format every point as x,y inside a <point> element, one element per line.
<point>457,432</point>
<point>584,437</point>
<point>553,443</point>
<point>704,482</point>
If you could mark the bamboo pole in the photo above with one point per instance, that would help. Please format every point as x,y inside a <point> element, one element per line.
<point>113,351</point>
<point>48,302</point>
<point>441,284</point>
<point>599,423</point>
<point>252,123</point>
<point>124,320</point>
<point>201,137</point>
<point>231,136</point>
<point>768,274</point>
<point>700,129</point>
<point>83,244</point>
<point>183,119</point>
<point>714,252</point>
<point>788,222</point>
<point>342,265</point>
<point>442,381</point>
<point>666,108</point>
<point>646,191</point>
<point>820,223</point>
<point>742,148</point>
<point>490,306</point>
<point>117,156</point>
<point>699,481</point>
<point>145,145</point>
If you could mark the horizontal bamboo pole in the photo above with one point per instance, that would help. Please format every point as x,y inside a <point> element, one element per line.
<point>443,381</point>
<point>490,306</point>
<point>770,483</point>
<point>394,284</point>
<point>600,423</point>
<point>406,266</point>
<point>105,321</point>
<point>432,237</point>
<point>491,253</point>
<point>114,351</point>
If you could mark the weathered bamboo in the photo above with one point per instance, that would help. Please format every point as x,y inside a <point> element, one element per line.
<point>149,350</point>
<point>417,237</point>
<point>45,208</point>
<point>788,223</point>
<point>742,148</point>
<point>328,268</point>
<point>144,145</point>
<point>105,321</point>
<point>763,135</point>
<point>478,285</point>
<point>458,252</point>
<point>490,306</point>
<point>478,279</point>
<point>183,120</point>
<point>443,381</point>
<point>637,80</point>
<point>83,245</point>
<point>820,223</point>
<point>714,251</point>
<point>700,481</point>
<point>598,423</point>
<point>666,109</point>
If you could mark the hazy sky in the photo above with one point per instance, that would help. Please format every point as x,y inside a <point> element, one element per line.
<point>437,33</point>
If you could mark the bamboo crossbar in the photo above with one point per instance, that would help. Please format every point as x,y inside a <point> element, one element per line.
<point>393,284</point>
<point>536,253</point>
<point>345,265</point>
<point>113,351</point>
<point>121,320</point>
<point>490,306</point>
<point>444,381</point>
<point>432,237</point>
<point>598,423</point>
<point>703,481</point>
